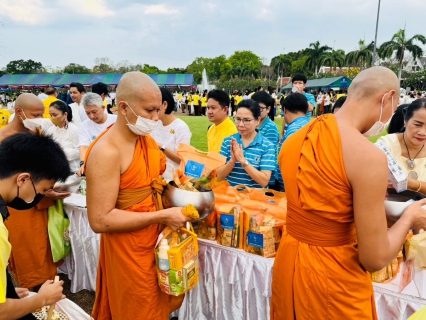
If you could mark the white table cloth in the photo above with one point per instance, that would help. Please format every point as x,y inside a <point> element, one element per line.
<point>233,284</point>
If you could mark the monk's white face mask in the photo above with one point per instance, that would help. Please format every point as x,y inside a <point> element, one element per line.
<point>379,126</point>
<point>142,126</point>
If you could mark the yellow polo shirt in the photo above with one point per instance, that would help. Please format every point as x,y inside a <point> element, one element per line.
<point>4,117</point>
<point>5,249</point>
<point>204,102</point>
<point>196,99</point>
<point>217,133</point>
<point>47,102</point>
<point>237,99</point>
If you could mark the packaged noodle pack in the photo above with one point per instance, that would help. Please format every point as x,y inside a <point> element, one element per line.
<point>176,256</point>
<point>229,226</point>
<point>264,221</point>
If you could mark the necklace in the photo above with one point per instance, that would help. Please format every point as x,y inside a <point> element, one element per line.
<point>410,162</point>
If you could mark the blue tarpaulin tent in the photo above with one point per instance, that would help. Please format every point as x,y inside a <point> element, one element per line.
<point>324,83</point>
<point>60,80</point>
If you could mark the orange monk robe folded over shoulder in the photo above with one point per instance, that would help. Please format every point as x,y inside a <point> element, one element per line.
<point>317,273</point>
<point>31,260</point>
<point>127,286</point>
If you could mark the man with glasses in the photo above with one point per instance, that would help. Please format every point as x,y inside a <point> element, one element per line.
<point>217,112</point>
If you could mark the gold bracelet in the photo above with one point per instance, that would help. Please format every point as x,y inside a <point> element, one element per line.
<point>420,186</point>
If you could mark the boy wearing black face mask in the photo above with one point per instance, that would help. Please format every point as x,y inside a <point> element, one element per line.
<point>30,165</point>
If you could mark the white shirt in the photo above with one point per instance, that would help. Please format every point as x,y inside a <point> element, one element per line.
<point>319,98</point>
<point>42,96</point>
<point>112,95</point>
<point>78,113</point>
<point>68,139</point>
<point>90,130</point>
<point>171,136</point>
<point>327,100</point>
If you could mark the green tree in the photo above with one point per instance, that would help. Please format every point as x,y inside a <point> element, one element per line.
<point>245,63</point>
<point>282,64</point>
<point>24,67</point>
<point>334,58</point>
<point>315,52</point>
<point>151,69</point>
<point>103,65</point>
<point>197,66</point>
<point>74,68</point>
<point>363,57</point>
<point>300,66</point>
<point>176,70</point>
<point>399,44</point>
<point>215,66</point>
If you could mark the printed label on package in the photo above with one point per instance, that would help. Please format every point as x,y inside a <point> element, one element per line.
<point>255,239</point>
<point>194,169</point>
<point>227,221</point>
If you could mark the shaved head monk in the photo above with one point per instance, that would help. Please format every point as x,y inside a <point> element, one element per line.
<point>31,260</point>
<point>123,166</point>
<point>336,229</point>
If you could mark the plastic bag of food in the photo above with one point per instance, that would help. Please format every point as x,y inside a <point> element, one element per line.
<point>229,225</point>
<point>415,248</point>
<point>176,255</point>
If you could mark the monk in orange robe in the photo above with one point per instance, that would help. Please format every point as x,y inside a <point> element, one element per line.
<point>124,204</point>
<point>336,232</point>
<point>31,260</point>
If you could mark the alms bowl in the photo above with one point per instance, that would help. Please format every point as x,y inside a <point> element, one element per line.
<point>396,203</point>
<point>202,201</point>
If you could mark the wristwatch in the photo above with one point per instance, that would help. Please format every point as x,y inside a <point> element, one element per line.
<point>163,148</point>
<point>245,164</point>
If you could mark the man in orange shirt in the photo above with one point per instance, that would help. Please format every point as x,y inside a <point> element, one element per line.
<point>336,227</point>
<point>127,214</point>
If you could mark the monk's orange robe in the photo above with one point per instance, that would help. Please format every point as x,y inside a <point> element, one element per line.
<point>126,286</point>
<point>31,260</point>
<point>317,273</point>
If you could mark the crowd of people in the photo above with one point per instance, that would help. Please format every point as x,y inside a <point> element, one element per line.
<point>336,228</point>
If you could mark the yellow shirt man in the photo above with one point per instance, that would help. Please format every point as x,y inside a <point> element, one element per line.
<point>46,103</point>
<point>5,249</point>
<point>217,133</point>
<point>179,96</point>
<point>237,99</point>
<point>196,99</point>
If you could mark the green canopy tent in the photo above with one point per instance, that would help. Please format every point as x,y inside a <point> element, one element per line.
<point>22,81</point>
<point>324,83</point>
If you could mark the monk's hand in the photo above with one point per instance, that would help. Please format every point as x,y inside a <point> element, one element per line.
<point>175,219</point>
<point>54,195</point>
<point>22,292</point>
<point>417,215</point>
<point>51,292</point>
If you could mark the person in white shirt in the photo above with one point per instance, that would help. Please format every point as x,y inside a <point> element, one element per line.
<point>320,97</point>
<point>77,92</point>
<point>169,133</point>
<point>98,121</point>
<point>112,96</point>
<point>65,132</point>
<point>42,95</point>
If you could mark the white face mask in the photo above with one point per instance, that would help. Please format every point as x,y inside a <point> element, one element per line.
<point>379,126</point>
<point>142,126</point>
<point>32,124</point>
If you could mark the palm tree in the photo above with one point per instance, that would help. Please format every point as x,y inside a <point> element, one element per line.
<point>314,53</point>
<point>399,44</point>
<point>281,63</point>
<point>362,57</point>
<point>334,59</point>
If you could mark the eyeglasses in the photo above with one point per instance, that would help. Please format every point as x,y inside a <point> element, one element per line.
<point>245,121</point>
<point>263,108</point>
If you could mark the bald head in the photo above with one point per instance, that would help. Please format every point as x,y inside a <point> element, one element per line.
<point>373,82</point>
<point>29,102</point>
<point>135,86</point>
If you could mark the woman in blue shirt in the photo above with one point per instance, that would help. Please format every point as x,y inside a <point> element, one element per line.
<point>250,157</point>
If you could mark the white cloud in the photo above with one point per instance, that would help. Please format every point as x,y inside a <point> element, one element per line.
<point>94,8</point>
<point>30,12</point>
<point>160,9</point>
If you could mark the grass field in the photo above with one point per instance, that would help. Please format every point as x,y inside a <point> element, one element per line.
<point>198,127</point>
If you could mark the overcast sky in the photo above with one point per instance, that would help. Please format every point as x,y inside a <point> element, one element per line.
<point>173,33</point>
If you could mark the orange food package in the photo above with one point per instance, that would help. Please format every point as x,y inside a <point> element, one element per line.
<point>196,163</point>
